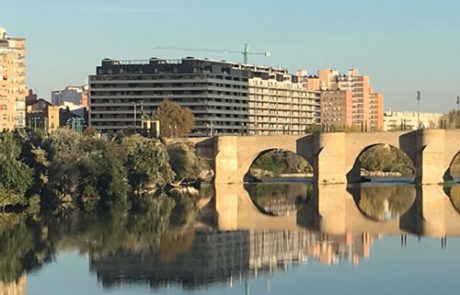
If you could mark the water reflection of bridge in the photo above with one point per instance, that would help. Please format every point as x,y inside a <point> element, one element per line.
<point>336,223</point>
<point>333,210</point>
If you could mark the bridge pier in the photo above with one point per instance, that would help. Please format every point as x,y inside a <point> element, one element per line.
<point>431,160</point>
<point>329,163</point>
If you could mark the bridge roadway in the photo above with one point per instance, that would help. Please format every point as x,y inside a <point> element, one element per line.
<point>333,210</point>
<point>334,155</point>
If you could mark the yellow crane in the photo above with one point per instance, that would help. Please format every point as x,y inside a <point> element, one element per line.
<point>245,52</point>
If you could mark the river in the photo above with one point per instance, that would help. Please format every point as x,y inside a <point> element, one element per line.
<point>268,238</point>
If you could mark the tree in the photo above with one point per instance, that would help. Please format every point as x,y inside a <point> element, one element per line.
<point>175,120</point>
<point>63,173</point>
<point>184,161</point>
<point>103,179</point>
<point>15,175</point>
<point>147,164</point>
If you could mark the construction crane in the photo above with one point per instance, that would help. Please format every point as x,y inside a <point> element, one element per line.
<point>245,51</point>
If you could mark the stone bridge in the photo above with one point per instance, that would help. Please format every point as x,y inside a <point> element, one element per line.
<point>334,155</point>
<point>333,210</point>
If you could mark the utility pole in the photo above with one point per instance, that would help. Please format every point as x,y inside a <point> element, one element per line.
<point>418,109</point>
<point>457,112</point>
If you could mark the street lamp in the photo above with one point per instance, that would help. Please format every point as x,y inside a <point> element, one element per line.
<point>418,109</point>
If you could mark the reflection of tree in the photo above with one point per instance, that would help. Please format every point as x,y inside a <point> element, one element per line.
<point>455,197</point>
<point>174,243</point>
<point>386,202</point>
<point>21,249</point>
<point>26,244</point>
<point>278,198</point>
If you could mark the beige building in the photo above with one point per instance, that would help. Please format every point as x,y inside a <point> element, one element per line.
<point>376,110</point>
<point>366,105</point>
<point>12,82</point>
<point>41,114</point>
<point>279,104</point>
<point>410,120</point>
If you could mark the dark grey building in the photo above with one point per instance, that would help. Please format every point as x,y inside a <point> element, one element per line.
<point>216,92</point>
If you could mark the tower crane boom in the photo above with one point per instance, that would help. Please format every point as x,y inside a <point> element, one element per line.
<point>245,52</point>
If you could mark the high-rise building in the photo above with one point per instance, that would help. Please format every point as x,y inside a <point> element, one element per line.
<point>12,81</point>
<point>225,98</point>
<point>366,106</point>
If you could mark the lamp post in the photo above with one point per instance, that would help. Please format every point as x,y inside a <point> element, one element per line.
<point>418,109</point>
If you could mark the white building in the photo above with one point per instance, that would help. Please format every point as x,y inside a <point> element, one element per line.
<point>409,120</point>
<point>73,94</point>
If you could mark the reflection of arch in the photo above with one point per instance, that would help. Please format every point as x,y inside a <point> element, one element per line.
<point>453,192</point>
<point>236,210</point>
<point>448,174</point>
<point>333,210</point>
<point>279,198</point>
<point>396,193</point>
<point>354,175</point>
<point>248,177</point>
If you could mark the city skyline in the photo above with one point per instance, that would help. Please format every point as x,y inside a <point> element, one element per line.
<point>403,47</point>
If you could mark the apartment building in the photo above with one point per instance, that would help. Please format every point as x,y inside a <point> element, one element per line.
<point>225,98</point>
<point>366,106</point>
<point>336,109</point>
<point>280,104</point>
<point>376,110</point>
<point>411,120</point>
<point>12,81</point>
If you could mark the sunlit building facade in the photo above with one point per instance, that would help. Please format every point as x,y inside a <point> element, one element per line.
<point>280,104</point>
<point>366,105</point>
<point>12,81</point>
<point>411,120</point>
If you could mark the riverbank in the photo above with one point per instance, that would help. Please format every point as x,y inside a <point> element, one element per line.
<point>65,171</point>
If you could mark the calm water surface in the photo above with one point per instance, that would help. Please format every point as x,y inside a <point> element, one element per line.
<point>283,238</point>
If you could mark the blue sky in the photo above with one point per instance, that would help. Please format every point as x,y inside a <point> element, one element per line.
<point>403,45</point>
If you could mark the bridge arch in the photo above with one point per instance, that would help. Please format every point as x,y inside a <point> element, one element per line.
<point>277,157</point>
<point>365,158</point>
<point>235,154</point>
